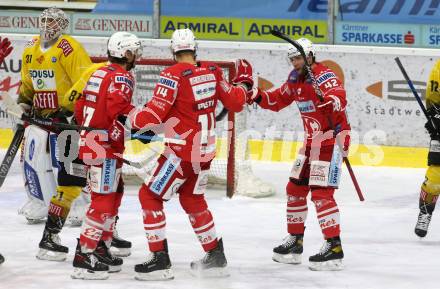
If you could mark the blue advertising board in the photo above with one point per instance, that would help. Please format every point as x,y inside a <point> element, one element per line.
<point>381,34</point>
<point>387,11</point>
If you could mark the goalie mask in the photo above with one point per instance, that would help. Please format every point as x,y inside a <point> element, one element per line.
<point>183,40</point>
<point>52,23</point>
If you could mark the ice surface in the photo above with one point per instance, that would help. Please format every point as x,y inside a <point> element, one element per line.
<point>381,250</point>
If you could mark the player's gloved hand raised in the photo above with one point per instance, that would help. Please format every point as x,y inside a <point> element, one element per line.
<point>330,104</point>
<point>5,48</point>
<point>243,74</point>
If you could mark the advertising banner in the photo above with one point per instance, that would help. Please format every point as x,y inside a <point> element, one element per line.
<point>213,28</point>
<point>19,22</point>
<point>431,36</point>
<point>106,25</point>
<point>259,29</point>
<point>380,34</point>
<point>80,23</point>
<point>204,28</point>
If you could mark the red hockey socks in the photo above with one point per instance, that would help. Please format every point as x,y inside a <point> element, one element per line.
<point>296,208</point>
<point>327,211</point>
<point>154,225</point>
<point>203,225</point>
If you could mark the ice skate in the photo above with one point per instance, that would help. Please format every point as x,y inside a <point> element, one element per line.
<point>289,252</point>
<point>51,248</point>
<point>329,257</point>
<point>105,256</point>
<point>88,267</point>
<point>213,264</point>
<point>156,268</point>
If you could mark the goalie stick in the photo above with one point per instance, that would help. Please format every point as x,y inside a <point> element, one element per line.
<point>318,92</point>
<point>11,152</point>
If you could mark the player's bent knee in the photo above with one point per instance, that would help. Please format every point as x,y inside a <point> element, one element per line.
<point>323,194</point>
<point>104,203</point>
<point>294,189</point>
<point>193,204</point>
<point>148,200</point>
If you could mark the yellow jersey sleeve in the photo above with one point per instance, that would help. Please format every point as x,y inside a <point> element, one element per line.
<point>432,88</point>
<point>77,62</point>
<point>75,92</point>
<point>26,92</point>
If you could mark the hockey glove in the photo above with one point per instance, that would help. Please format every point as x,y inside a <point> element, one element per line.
<point>116,133</point>
<point>5,48</point>
<point>330,104</point>
<point>243,74</point>
<point>433,125</point>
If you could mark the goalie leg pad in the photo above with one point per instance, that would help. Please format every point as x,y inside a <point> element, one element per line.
<point>40,182</point>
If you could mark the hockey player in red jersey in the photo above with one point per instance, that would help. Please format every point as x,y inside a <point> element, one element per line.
<point>318,165</point>
<point>184,102</point>
<point>106,97</point>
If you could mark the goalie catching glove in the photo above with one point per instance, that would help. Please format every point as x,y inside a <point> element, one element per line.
<point>5,48</point>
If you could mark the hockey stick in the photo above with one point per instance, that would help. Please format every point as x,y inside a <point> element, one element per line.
<point>411,86</point>
<point>318,92</point>
<point>41,122</point>
<point>11,152</point>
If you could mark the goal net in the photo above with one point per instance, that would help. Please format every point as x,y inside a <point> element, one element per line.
<point>231,169</point>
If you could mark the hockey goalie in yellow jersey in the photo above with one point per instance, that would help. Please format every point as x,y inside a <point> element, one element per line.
<point>431,186</point>
<point>52,62</point>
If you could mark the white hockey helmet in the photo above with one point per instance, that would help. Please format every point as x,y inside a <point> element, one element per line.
<point>121,42</point>
<point>52,23</point>
<point>183,39</point>
<point>306,44</point>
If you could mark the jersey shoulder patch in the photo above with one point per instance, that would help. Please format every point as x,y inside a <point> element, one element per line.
<point>124,79</point>
<point>66,46</point>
